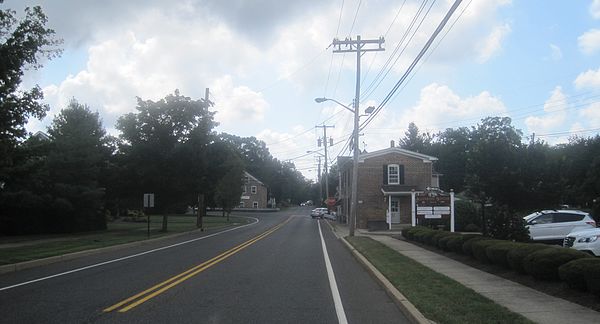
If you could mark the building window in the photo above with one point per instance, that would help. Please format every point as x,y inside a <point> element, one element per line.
<point>243,189</point>
<point>242,205</point>
<point>253,189</point>
<point>255,204</point>
<point>245,179</point>
<point>393,174</point>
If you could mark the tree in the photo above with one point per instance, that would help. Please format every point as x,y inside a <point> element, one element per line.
<point>451,148</point>
<point>413,140</point>
<point>164,144</point>
<point>79,152</point>
<point>23,44</point>
<point>229,188</point>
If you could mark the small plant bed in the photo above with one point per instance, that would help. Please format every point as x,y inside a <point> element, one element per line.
<point>549,269</point>
<point>19,249</point>
<point>442,299</point>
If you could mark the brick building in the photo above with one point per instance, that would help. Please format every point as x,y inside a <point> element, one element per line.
<point>388,181</point>
<point>254,193</point>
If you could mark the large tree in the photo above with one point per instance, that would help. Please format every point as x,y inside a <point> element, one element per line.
<point>164,145</point>
<point>24,43</point>
<point>79,153</point>
<point>415,141</point>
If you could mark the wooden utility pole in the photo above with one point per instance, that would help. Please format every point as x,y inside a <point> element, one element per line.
<point>350,46</point>
<point>325,141</point>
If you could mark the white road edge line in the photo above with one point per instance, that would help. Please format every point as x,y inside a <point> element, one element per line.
<point>129,256</point>
<point>337,300</point>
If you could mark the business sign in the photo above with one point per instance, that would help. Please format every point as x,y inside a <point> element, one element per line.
<point>433,204</point>
<point>245,197</point>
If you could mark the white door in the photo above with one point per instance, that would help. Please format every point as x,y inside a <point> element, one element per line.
<point>395,209</point>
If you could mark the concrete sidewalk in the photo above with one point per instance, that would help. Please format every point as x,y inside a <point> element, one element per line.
<point>535,305</point>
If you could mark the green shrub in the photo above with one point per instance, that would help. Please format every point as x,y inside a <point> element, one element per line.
<point>515,256</point>
<point>592,279</point>
<point>466,213</point>
<point>544,264</point>
<point>479,248</point>
<point>497,253</point>
<point>472,228</point>
<point>467,245</point>
<point>443,242</point>
<point>428,237</point>
<point>573,273</point>
<point>504,224</point>
<point>455,243</point>
<point>435,239</point>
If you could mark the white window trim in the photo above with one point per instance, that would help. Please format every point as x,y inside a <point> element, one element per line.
<point>242,205</point>
<point>397,167</point>
<point>255,204</point>
<point>253,189</point>
<point>244,190</point>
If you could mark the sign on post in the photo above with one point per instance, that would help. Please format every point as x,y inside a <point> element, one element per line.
<point>435,204</point>
<point>148,200</point>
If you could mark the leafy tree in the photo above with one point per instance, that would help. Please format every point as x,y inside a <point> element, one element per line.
<point>23,44</point>
<point>492,165</point>
<point>451,148</point>
<point>164,145</point>
<point>505,224</point>
<point>229,187</point>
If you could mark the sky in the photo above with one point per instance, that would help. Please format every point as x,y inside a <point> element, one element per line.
<point>265,61</point>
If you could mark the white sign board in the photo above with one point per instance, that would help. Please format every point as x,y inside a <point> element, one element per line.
<point>245,197</point>
<point>149,200</point>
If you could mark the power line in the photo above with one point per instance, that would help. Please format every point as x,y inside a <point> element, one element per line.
<point>331,62</point>
<point>413,64</point>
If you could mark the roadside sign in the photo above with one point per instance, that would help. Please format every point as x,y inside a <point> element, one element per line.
<point>149,200</point>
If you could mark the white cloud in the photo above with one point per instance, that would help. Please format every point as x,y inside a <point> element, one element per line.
<point>556,53</point>
<point>595,9</point>
<point>589,42</point>
<point>491,45</point>
<point>438,108</point>
<point>592,115</point>
<point>555,109</point>
<point>235,104</point>
<point>588,80</point>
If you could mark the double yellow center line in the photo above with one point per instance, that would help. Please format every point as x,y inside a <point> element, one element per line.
<point>136,300</point>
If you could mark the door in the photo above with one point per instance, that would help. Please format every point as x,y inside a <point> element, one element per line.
<point>395,209</point>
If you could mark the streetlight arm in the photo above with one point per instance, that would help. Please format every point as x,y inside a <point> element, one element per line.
<point>320,100</point>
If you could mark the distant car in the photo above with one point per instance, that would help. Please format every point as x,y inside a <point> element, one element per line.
<point>318,212</point>
<point>554,225</point>
<point>586,240</point>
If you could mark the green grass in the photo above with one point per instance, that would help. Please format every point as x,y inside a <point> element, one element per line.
<point>117,233</point>
<point>438,297</point>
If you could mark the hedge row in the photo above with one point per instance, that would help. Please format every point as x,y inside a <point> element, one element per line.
<point>545,262</point>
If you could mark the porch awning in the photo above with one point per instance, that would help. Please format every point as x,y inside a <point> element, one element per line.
<point>397,189</point>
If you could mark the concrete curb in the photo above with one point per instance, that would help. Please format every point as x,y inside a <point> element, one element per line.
<point>14,267</point>
<point>407,308</point>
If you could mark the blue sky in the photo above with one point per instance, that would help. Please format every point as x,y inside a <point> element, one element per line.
<point>537,62</point>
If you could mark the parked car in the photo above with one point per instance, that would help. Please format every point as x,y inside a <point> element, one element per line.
<point>330,215</point>
<point>555,225</point>
<point>318,212</point>
<point>586,240</point>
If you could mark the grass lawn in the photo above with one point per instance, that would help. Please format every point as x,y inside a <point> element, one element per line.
<point>438,297</point>
<point>25,248</point>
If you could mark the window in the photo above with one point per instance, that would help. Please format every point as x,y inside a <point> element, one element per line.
<point>544,219</point>
<point>567,217</point>
<point>253,189</point>
<point>243,189</point>
<point>245,179</point>
<point>393,174</point>
<point>255,204</point>
<point>242,205</point>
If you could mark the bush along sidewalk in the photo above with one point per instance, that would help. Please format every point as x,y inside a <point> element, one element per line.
<point>577,269</point>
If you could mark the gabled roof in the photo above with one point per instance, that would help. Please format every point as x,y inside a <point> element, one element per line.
<point>253,178</point>
<point>397,150</point>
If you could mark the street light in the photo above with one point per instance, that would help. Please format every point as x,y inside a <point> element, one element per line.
<point>354,202</point>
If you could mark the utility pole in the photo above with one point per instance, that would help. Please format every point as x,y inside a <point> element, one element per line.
<point>325,165</point>
<point>350,46</point>
<point>201,204</point>
<point>319,180</point>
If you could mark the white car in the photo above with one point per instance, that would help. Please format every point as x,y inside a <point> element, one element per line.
<point>586,240</point>
<point>318,212</point>
<point>554,225</point>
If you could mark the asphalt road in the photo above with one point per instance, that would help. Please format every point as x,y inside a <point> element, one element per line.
<point>273,271</point>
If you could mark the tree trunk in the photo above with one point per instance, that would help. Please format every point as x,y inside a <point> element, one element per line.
<point>227,217</point>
